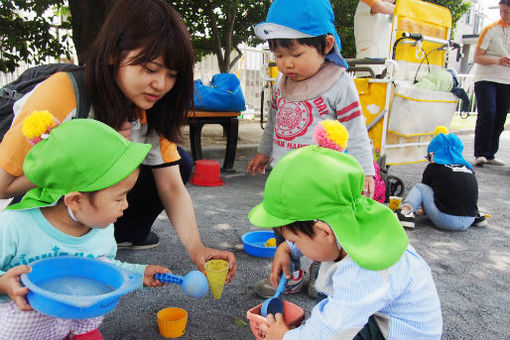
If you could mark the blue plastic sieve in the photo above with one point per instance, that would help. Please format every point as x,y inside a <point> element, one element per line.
<point>77,288</point>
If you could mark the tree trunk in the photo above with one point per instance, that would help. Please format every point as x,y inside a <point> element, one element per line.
<point>87,16</point>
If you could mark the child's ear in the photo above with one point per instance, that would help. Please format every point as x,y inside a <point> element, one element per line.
<point>73,200</point>
<point>330,43</point>
<point>325,230</point>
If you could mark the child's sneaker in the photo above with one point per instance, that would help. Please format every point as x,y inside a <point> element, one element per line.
<point>312,277</point>
<point>480,220</point>
<point>406,218</point>
<point>264,289</point>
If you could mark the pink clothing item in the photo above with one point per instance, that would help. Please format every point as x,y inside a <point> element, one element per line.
<point>380,186</point>
<point>30,325</point>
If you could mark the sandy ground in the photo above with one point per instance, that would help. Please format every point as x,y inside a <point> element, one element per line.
<point>471,268</point>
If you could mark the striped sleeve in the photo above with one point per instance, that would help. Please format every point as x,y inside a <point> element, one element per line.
<point>358,294</point>
<point>348,112</point>
<point>55,94</point>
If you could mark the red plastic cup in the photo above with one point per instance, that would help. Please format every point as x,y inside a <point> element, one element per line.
<point>207,173</point>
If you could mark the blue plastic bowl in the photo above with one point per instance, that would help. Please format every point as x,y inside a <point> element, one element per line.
<point>72,287</point>
<point>254,243</point>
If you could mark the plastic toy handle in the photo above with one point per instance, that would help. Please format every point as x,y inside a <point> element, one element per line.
<point>169,278</point>
<point>281,286</point>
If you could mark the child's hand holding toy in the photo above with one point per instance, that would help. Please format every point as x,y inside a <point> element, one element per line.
<point>148,275</point>
<point>277,327</point>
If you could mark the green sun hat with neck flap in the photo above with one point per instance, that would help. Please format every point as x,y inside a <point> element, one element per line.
<point>82,155</point>
<point>315,183</point>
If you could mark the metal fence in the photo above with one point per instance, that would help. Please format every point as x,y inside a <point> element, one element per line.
<point>251,69</point>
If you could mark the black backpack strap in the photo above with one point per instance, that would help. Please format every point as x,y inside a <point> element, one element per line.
<point>80,91</point>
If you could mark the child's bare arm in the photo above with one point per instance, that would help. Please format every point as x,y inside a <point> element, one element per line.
<point>10,285</point>
<point>148,275</point>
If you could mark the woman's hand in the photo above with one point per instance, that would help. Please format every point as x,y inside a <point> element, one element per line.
<point>369,187</point>
<point>277,327</point>
<point>504,61</point>
<point>203,254</point>
<point>281,264</point>
<point>258,164</point>
<point>10,285</point>
<point>148,275</point>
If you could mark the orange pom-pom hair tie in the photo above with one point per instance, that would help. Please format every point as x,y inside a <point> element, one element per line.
<point>37,126</point>
<point>331,134</point>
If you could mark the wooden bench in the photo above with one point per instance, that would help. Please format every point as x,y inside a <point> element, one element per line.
<point>230,123</point>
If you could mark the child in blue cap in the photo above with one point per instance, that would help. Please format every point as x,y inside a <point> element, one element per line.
<point>313,87</point>
<point>448,193</point>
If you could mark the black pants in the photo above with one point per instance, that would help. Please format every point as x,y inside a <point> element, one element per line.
<point>493,102</point>
<point>144,203</point>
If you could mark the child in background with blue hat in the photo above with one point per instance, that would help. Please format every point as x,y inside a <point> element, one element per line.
<point>83,170</point>
<point>448,192</point>
<point>313,87</point>
<point>377,286</point>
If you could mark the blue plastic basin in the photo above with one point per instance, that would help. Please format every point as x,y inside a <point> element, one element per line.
<point>254,243</point>
<point>72,287</point>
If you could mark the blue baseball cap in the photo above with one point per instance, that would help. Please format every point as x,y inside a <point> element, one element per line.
<point>295,19</point>
<point>447,149</point>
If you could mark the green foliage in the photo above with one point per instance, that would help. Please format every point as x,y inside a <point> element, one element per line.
<point>30,39</point>
<point>218,27</point>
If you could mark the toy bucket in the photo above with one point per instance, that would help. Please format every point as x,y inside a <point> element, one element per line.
<point>207,173</point>
<point>71,287</point>
<point>292,314</point>
<point>172,322</point>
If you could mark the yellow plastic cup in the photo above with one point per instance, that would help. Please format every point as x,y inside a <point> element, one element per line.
<point>172,322</point>
<point>395,202</point>
<point>216,271</point>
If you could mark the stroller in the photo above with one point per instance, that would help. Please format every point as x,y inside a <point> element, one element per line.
<point>401,119</point>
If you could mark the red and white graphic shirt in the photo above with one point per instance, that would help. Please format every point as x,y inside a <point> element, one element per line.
<point>295,113</point>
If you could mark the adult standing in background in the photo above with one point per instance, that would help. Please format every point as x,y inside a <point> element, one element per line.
<point>492,86</point>
<point>372,29</point>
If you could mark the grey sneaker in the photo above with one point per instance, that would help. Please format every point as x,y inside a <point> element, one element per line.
<point>314,271</point>
<point>151,241</point>
<point>264,289</point>
<point>495,161</point>
<point>480,161</point>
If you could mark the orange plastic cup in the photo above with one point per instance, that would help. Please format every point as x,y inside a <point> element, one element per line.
<point>172,322</point>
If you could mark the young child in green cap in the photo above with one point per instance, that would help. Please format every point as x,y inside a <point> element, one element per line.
<point>376,285</point>
<point>83,170</point>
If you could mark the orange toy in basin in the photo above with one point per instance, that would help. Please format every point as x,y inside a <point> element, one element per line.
<point>292,314</point>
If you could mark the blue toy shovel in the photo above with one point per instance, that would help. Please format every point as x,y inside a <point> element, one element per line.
<point>193,284</point>
<point>275,305</point>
